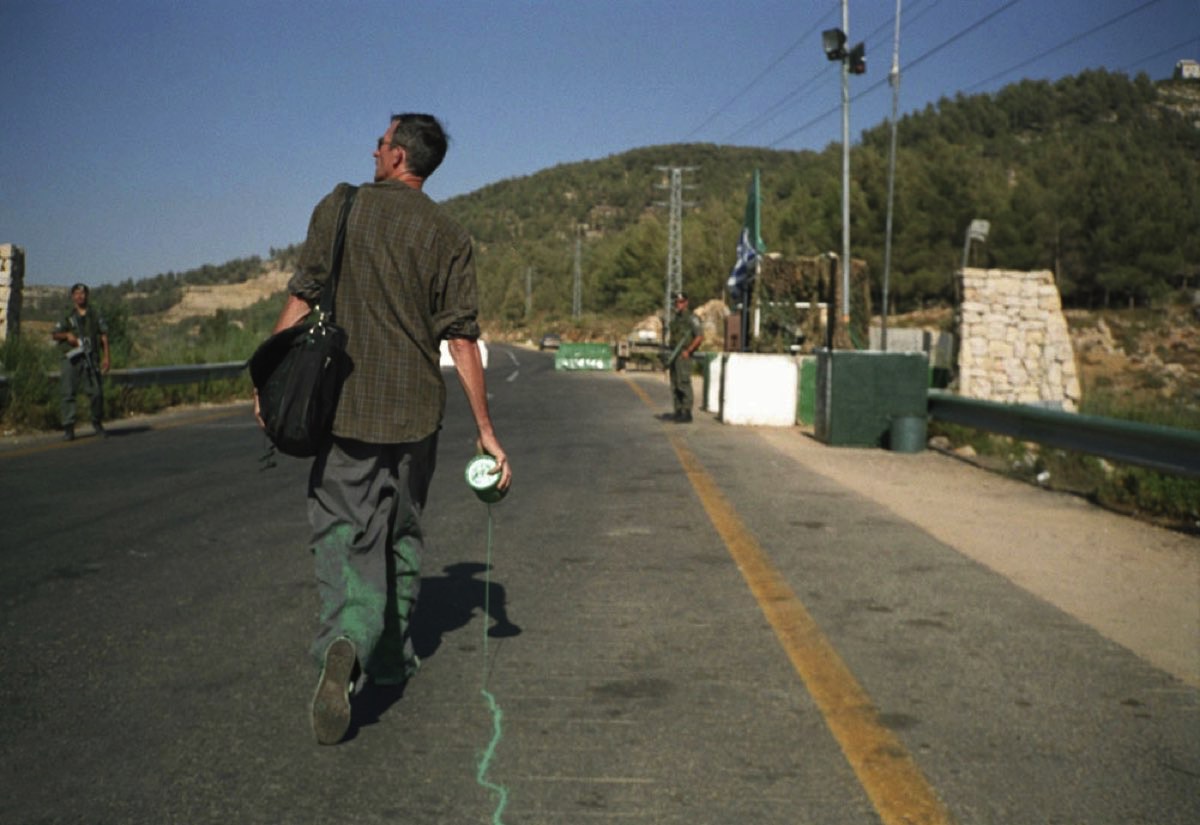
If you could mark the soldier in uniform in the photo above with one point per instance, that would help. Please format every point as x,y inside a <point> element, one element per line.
<point>80,335</point>
<point>686,336</point>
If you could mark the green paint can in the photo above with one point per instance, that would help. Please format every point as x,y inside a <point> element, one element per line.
<point>483,480</point>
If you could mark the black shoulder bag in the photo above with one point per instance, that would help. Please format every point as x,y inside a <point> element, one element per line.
<point>299,371</point>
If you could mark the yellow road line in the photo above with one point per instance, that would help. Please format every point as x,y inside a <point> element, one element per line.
<point>641,392</point>
<point>887,772</point>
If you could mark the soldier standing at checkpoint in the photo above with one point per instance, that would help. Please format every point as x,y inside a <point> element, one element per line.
<point>686,337</point>
<point>79,335</point>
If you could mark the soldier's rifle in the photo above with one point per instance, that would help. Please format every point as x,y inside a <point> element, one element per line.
<point>669,359</point>
<point>88,351</point>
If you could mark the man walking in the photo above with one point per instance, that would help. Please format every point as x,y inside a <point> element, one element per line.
<point>407,282</point>
<point>80,335</point>
<point>686,337</point>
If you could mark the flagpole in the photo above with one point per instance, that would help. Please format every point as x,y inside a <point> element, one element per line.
<point>749,251</point>
<point>757,243</point>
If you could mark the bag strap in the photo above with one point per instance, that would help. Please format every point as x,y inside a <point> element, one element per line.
<point>328,293</point>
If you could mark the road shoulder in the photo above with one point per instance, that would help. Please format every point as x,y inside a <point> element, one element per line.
<point>1136,584</point>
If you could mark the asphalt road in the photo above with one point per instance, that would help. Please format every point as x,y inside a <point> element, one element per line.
<point>679,625</point>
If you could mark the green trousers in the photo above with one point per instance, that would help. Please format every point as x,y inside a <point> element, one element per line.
<point>364,506</point>
<point>75,377</point>
<point>681,385</point>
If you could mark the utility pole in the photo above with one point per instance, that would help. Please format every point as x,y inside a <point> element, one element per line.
<point>846,175</point>
<point>674,279</point>
<point>528,292</point>
<point>894,79</point>
<point>853,62</point>
<point>577,295</point>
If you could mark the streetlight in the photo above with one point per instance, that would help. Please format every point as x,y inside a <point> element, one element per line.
<point>833,41</point>
<point>977,231</point>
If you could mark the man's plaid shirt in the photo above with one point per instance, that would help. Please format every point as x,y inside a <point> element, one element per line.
<point>407,281</point>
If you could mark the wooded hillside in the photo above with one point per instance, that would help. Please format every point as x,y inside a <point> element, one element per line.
<point>1096,177</point>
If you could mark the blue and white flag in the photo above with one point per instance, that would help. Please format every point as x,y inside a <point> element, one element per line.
<point>743,270</point>
<point>750,245</point>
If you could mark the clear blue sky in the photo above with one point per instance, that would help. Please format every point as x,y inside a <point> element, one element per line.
<point>146,136</point>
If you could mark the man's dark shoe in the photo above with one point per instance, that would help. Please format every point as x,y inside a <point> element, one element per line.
<point>98,428</point>
<point>69,434</point>
<point>683,418</point>
<point>331,702</point>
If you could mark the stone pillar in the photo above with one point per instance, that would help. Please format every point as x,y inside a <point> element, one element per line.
<point>1015,347</point>
<point>12,283</point>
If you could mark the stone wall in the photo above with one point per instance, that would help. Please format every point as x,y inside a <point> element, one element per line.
<point>12,281</point>
<point>1015,348</point>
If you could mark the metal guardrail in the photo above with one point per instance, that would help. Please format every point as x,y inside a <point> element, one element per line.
<point>1166,449</point>
<point>152,376</point>
<point>189,374</point>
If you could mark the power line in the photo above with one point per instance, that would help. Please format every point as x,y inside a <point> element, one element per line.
<point>1063,44</point>
<point>882,30</point>
<point>769,114</point>
<point>1156,55</point>
<point>725,106</point>
<point>963,33</point>
<point>908,67</point>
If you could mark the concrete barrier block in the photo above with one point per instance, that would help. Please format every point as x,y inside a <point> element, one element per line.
<point>760,389</point>
<point>712,398</point>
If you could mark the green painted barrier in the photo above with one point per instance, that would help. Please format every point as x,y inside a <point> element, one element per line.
<point>584,357</point>
<point>806,407</point>
<point>860,394</point>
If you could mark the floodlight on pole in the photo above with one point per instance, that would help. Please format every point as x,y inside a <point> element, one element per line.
<point>834,43</point>
<point>857,59</point>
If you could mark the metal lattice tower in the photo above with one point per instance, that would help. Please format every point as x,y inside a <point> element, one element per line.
<point>674,279</point>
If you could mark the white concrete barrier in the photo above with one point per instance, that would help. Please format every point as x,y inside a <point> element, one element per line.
<point>760,389</point>
<point>712,398</point>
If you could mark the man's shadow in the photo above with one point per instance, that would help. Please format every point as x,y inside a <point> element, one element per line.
<point>446,603</point>
<point>449,602</point>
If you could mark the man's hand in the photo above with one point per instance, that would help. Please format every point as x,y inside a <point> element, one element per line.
<point>492,447</point>
<point>258,411</point>
<point>469,366</point>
